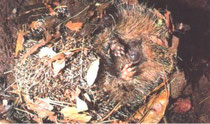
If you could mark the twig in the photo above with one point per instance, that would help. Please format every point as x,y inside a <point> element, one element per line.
<point>74,15</point>
<point>114,109</point>
<point>204,99</point>
<point>113,20</point>
<point>8,71</point>
<point>9,86</point>
<point>59,103</point>
<point>25,111</point>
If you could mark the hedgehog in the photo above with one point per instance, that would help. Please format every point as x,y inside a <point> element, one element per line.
<point>137,55</point>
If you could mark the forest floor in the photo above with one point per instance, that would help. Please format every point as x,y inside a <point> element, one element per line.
<point>194,51</point>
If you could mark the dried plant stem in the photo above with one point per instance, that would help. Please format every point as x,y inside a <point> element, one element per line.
<point>114,109</point>
<point>9,86</point>
<point>204,99</point>
<point>75,15</point>
<point>59,103</point>
<point>25,112</point>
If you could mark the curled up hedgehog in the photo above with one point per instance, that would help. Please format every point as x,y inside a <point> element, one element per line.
<point>138,58</point>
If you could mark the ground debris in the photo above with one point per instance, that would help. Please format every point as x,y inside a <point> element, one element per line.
<point>103,67</point>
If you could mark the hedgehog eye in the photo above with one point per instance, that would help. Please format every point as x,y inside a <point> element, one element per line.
<point>132,44</point>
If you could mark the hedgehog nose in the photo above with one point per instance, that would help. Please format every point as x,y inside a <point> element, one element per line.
<point>134,56</point>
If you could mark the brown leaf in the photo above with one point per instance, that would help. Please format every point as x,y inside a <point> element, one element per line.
<point>58,63</point>
<point>52,118</point>
<point>45,104</point>
<point>154,110</point>
<point>49,7</point>
<point>19,44</point>
<point>42,113</point>
<point>56,3</point>
<point>74,26</point>
<point>71,114</point>
<point>59,56</point>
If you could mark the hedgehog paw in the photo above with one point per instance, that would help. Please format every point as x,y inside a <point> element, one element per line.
<point>128,72</point>
<point>117,48</point>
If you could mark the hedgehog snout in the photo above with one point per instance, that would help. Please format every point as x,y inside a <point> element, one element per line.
<point>134,56</point>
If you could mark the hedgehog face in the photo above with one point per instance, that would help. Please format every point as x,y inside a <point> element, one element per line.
<point>134,51</point>
<point>134,56</point>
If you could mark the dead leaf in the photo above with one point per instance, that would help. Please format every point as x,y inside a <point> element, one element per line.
<point>42,112</point>
<point>58,63</point>
<point>19,43</point>
<point>46,51</point>
<point>58,66</point>
<point>81,105</point>
<point>49,7</point>
<point>45,104</point>
<point>68,111</point>
<point>53,118</point>
<point>87,97</point>
<point>74,26</point>
<point>56,3</point>
<point>92,72</point>
<point>153,111</point>
<point>59,56</point>
<point>71,114</point>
